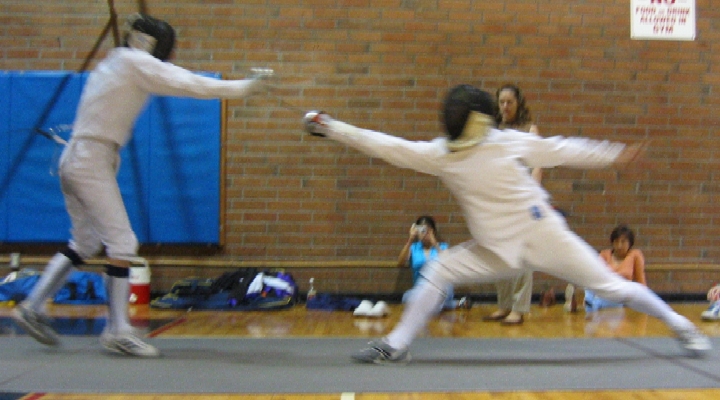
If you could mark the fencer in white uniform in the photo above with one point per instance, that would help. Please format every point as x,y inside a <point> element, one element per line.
<point>114,96</point>
<point>507,212</point>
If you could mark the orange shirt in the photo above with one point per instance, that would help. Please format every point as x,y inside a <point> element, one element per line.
<point>631,268</point>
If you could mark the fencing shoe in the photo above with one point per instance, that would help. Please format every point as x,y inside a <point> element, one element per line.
<point>379,352</point>
<point>129,344</point>
<point>694,341</point>
<point>36,325</point>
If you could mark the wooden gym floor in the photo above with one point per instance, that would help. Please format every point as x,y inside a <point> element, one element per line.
<point>298,322</point>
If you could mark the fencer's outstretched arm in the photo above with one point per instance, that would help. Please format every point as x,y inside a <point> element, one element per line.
<point>631,154</point>
<point>164,78</point>
<point>535,151</point>
<point>539,152</point>
<point>420,156</point>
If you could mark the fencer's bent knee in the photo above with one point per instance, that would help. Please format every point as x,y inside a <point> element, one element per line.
<point>124,248</point>
<point>85,250</point>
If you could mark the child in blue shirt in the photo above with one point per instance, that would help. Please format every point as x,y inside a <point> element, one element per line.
<point>421,247</point>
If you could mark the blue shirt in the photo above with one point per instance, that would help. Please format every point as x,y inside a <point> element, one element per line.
<point>417,256</point>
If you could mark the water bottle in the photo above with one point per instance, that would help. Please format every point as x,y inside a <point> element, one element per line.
<point>14,269</point>
<point>311,292</point>
<point>14,262</point>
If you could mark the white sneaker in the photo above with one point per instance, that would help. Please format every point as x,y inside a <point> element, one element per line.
<point>129,344</point>
<point>35,324</point>
<point>364,309</point>
<point>379,310</point>
<point>712,313</point>
<point>694,341</point>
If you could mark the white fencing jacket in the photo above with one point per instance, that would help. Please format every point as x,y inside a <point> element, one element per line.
<point>490,181</point>
<point>119,87</point>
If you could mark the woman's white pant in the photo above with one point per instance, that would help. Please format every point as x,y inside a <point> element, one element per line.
<point>515,293</point>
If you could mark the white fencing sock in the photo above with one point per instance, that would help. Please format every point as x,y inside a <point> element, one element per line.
<point>59,283</point>
<point>118,294</point>
<point>52,279</point>
<point>418,311</point>
<point>646,301</point>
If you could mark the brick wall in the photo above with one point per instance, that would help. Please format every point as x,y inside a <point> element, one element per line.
<point>385,65</point>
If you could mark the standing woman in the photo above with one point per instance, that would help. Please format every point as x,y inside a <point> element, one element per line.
<point>515,294</point>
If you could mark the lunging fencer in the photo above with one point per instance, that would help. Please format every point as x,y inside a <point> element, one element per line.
<point>115,94</point>
<point>513,226</point>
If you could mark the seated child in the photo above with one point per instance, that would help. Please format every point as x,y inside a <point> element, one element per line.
<point>623,260</point>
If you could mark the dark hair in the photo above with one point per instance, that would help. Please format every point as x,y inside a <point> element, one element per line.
<point>459,102</point>
<point>522,116</point>
<point>623,230</point>
<point>163,33</point>
<point>427,220</point>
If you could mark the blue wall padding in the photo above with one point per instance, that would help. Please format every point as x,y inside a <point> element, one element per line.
<point>169,175</point>
<point>4,146</point>
<point>35,207</point>
<point>189,161</point>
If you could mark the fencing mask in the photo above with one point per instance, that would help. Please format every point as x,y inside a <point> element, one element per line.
<point>467,115</point>
<point>155,36</point>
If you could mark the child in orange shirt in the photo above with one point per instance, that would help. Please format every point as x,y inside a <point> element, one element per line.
<point>621,259</point>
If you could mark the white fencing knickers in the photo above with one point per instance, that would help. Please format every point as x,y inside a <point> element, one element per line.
<point>88,177</point>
